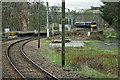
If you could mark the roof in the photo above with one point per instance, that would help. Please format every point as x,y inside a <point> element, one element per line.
<point>85,22</point>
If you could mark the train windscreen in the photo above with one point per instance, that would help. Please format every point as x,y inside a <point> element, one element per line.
<point>94,23</point>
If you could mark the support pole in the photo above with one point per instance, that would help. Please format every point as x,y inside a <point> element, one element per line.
<point>68,19</point>
<point>47,20</point>
<point>1,30</point>
<point>98,24</point>
<point>53,30</point>
<point>118,39</point>
<point>39,25</point>
<point>72,21</point>
<point>63,33</point>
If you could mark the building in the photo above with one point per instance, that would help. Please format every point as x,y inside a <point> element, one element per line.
<point>93,9</point>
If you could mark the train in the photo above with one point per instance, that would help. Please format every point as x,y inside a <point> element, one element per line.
<point>85,25</point>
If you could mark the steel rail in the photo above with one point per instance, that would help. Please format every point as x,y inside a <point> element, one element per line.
<point>36,65</point>
<point>9,59</point>
<point>27,58</point>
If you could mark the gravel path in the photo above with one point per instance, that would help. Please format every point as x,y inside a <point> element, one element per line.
<point>33,52</point>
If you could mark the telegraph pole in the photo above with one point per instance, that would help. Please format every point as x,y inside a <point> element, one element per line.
<point>39,25</point>
<point>63,33</point>
<point>47,20</point>
<point>69,19</point>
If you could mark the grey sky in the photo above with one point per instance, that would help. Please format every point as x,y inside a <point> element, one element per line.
<point>71,4</point>
<point>76,4</point>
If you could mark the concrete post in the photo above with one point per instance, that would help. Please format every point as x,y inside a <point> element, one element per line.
<point>53,30</point>
<point>47,20</point>
<point>72,21</point>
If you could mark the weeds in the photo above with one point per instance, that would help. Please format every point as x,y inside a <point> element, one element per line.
<point>95,58</point>
<point>99,62</point>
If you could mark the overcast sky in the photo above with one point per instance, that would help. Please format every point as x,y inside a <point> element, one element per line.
<point>76,4</point>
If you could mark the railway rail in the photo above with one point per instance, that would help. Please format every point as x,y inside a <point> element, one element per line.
<point>23,65</point>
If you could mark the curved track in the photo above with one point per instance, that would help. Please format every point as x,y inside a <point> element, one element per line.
<point>23,65</point>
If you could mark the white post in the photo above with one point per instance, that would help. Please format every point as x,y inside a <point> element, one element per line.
<point>60,28</point>
<point>53,29</point>
<point>6,32</point>
<point>88,34</point>
<point>91,29</point>
<point>72,21</point>
<point>47,20</point>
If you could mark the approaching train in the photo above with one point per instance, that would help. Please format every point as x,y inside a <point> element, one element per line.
<point>86,25</point>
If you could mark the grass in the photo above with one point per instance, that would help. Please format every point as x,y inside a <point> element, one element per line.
<point>2,38</point>
<point>85,60</point>
<point>113,49</point>
<point>113,34</point>
<point>110,39</point>
<point>23,32</point>
<point>94,57</point>
<point>88,71</point>
<point>8,37</point>
<point>92,42</point>
<point>52,55</point>
<point>0,33</point>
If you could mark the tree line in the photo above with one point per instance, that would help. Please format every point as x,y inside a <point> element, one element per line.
<point>16,14</point>
<point>110,12</point>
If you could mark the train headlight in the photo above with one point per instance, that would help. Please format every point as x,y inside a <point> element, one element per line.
<point>93,25</point>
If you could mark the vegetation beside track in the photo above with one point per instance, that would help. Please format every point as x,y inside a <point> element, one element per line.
<point>112,35</point>
<point>113,49</point>
<point>92,42</point>
<point>89,60</point>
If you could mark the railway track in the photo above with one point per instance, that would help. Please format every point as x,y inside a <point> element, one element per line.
<point>23,65</point>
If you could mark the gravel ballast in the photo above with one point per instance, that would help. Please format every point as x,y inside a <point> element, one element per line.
<point>33,52</point>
